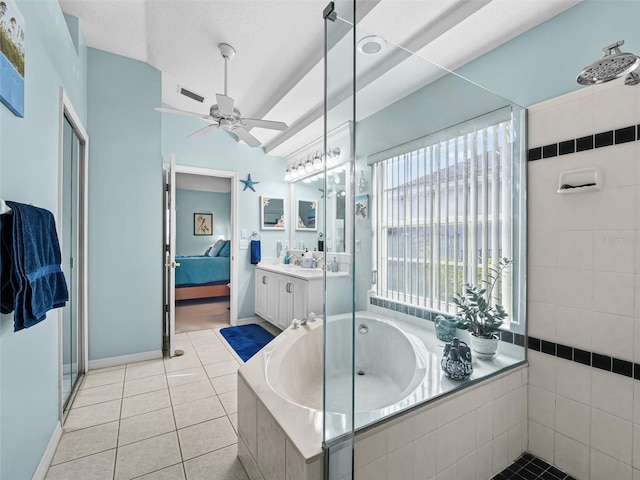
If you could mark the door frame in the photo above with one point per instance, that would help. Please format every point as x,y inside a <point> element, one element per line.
<point>233,177</point>
<point>67,110</point>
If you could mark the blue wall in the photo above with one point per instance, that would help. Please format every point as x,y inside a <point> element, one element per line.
<point>189,202</point>
<point>125,206</point>
<point>221,151</point>
<point>29,173</point>
<point>544,62</point>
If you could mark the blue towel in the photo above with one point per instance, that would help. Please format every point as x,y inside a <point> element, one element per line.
<point>255,252</point>
<point>37,280</point>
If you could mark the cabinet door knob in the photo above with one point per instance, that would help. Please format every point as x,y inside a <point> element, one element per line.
<point>264,279</point>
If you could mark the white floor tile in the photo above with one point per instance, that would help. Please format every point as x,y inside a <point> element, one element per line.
<point>147,456</point>
<point>94,467</point>
<point>138,386</point>
<point>91,415</point>
<point>147,425</point>
<point>144,369</point>
<point>206,437</point>
<point>233,418</point>
<point>91,396</point>
<point>106,369</point>
<point>87,441</point>
<point>188,360</point>
<point>226,383</point>
<point>147,402</point>
<point>222,368</point>
<point>189,375</point>
<point>191,391</point>
<point>222,464</point>
<point>229,401</point>
<point>103,378</point>
<point>172,473</point>
<point>198,411</point>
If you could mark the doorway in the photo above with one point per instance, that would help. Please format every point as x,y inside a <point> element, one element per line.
<point>72,224</point>
<point>200,259</point>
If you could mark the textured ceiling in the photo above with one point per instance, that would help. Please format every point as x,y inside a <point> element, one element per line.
<point>278,72</point>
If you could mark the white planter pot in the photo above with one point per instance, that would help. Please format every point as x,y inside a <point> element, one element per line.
<point>484,348</point>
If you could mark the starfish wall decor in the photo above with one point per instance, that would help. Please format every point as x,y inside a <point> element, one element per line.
<point>248,183</point>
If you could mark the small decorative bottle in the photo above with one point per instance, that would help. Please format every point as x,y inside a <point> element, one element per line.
<point>334,265</point>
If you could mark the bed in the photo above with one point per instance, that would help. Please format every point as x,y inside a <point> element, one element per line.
<point>202,277</point>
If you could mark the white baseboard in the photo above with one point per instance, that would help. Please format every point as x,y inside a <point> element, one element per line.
<point>48,454</point>
<point>248,320</point>
<point>123,359</point>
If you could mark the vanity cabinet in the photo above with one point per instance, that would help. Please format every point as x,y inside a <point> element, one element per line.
<point>280,297</point>
<point>266,301</point>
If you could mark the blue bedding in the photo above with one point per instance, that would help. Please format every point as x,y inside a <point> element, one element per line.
<point>201,270</point>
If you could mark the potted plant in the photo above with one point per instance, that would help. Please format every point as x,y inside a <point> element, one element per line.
<point>477,314</point>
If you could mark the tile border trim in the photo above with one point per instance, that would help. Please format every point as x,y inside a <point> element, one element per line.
<point>585,357</point>
<point>566,352</point>
<point>430,315</point>
<point>588,142</point>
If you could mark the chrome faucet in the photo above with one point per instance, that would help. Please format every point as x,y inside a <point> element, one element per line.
<point>311,318</point>
<point>296,261</point>
<point>318,260</point>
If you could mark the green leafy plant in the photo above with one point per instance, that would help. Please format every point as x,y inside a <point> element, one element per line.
<point>475,311</point>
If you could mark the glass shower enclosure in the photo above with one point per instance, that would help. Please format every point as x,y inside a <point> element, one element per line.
<point>437,200</point>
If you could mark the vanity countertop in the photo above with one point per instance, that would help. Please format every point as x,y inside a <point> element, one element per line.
<point>297,271</point>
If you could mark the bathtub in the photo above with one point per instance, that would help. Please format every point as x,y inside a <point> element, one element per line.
<point>390,365</point>
<point>397,365</point>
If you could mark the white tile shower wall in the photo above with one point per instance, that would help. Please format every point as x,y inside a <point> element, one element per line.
<point>584,287</point>
<point>469,436</point>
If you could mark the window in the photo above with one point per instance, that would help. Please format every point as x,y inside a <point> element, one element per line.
<point>444,210</point>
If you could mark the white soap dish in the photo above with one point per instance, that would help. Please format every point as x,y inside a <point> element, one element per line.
<point>583,180</point>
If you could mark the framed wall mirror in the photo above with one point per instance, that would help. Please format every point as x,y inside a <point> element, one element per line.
<point>307,215</point>
<point>272,213</point>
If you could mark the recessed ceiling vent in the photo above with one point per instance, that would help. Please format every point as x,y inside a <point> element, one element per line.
<point>190,94</point>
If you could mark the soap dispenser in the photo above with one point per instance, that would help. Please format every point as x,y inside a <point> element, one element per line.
<point>287,259</point>
<point>334,265</point>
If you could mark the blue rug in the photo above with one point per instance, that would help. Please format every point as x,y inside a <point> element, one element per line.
<point>246,340</point>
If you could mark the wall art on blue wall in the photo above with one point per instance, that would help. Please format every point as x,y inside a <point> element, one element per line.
<point>12,57</point>
<point>203,224</point>
<point>362,207</point>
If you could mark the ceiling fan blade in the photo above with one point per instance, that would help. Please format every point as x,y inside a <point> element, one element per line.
<point>252,122</point>
<point>225,104</point>
<point>245,136</point>
<point>203,131</point>
<point>183,112</point>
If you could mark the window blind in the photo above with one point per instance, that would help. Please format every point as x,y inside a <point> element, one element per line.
<point>444,216</point>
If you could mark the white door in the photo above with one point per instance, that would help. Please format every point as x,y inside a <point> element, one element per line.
<point>170,258</point>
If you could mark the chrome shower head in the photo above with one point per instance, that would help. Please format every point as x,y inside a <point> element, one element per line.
<point>613,64</point>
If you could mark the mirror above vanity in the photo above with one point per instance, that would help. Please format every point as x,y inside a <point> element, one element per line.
<point>307,215</point>
<point>272,215</point>
<point>311,193</point>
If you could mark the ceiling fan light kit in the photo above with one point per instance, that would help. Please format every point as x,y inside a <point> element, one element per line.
<point>224,114</point>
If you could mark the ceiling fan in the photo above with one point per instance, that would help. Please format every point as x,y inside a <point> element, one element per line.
<point>224,114</point>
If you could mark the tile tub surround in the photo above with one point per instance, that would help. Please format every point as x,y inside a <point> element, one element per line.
<point>160,419</point>
<point>302,426</point>
<point>473,433</point>
<point>584,285</point>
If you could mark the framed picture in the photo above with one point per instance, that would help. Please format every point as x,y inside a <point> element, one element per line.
<point>203,224</point>
<point>12,57</point>
<point>362,207</point>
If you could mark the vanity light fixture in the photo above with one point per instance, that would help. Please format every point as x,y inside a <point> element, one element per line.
<point>308,165</point>
<point>317,161</point>
<point>301,169</point>
<point>287,175</point>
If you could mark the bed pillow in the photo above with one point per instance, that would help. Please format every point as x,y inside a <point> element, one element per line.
<point>226,250</point>
<point>215,250</point>
<point>206,252</point>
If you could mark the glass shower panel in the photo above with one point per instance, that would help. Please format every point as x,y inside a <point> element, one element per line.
<point>339,324</point>
<point>435,199</point>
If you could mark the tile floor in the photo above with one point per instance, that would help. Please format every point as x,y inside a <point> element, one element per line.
<point>528,467</point>
<point>172,419</point>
